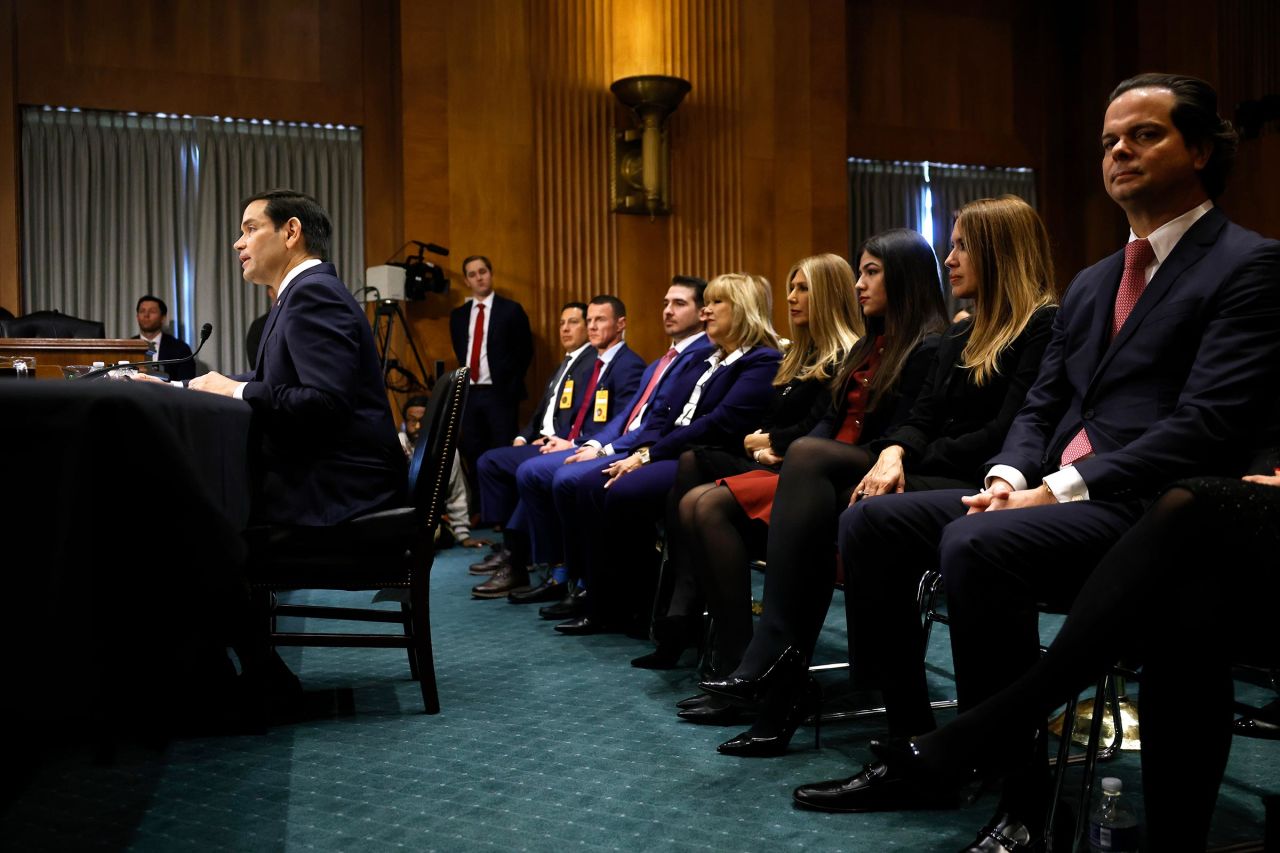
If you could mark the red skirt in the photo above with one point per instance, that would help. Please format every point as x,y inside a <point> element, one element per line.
<point>754,491</point>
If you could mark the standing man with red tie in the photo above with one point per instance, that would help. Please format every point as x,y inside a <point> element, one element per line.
<point>1163,364</point>
<point>491,336</point>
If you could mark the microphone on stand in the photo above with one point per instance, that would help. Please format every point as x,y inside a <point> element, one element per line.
<point>205,331</point>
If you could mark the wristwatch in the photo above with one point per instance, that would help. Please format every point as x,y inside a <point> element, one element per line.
<point>643,455</point>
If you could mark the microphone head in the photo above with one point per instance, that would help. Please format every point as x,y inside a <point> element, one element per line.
<point>205,331</point>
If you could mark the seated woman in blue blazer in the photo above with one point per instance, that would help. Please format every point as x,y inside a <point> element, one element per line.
<point>713,406</point>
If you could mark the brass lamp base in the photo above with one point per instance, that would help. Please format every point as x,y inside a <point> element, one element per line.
<point>1084,718</point>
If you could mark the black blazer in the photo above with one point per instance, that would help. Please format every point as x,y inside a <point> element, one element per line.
<point>1185,386</point>
<point>329,449</point>
<point>580,372</point>
<point>510,344</point>
<point>955,426</point>
<point>893,408</point>
<point>171,347</point>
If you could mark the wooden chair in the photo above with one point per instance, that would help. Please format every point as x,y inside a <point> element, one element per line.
<point>392,549</point>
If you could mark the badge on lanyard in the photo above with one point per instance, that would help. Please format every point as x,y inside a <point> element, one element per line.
<point>601,413</point>
<point>566,395</point>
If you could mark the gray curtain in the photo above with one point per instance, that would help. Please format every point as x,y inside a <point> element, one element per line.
<point>955,186</point>
<point>238,159</point>
<point>117,205</point>
<point>106,213</point>
<point>883,195</point>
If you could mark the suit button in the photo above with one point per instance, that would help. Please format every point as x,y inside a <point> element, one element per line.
<point>1087,415</point>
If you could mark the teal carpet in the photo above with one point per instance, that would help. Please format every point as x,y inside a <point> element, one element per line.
<point>544,743</point>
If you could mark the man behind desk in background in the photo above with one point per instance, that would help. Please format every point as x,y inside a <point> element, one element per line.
<point>329,448</point>
<point>152,316</point>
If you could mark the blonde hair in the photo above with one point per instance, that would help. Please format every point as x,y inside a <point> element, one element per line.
<point>818,350</point>
<point>750,298</point>
<point>1008,249</point>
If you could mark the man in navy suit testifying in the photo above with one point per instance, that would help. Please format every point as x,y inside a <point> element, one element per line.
<point>329,450</point>
<point>1162,365</point>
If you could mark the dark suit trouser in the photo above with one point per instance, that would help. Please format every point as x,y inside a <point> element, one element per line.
<point>489,420</point>
<point>997,568</point>
<point>620,523</point>
<point>496,472</point>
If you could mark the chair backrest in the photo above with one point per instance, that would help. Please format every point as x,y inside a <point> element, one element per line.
<point>51,324</point>
<point>432,461</point>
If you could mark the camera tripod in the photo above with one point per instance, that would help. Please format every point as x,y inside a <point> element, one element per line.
<point>384,321</point>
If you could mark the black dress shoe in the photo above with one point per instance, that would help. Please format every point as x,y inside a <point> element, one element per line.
<point>1006,834</point>
<point>878,788</point>
<point>503,581</point>
<point>1256,727</point>
<point>573,604</point>
<point>781,713</point>
<point>548,590</point>
<point>581,627</point>
<point>718,712</point>
<point>749,689</point>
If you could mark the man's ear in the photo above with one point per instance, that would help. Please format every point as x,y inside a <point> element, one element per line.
<point>293,233</point>
<point>1200,154</point>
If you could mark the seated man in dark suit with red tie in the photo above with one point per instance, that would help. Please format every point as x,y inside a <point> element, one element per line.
<point>596,385</point>
<point>1163,362</point>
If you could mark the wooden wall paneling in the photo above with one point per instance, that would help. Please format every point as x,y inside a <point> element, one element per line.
<point>299,61</point>
<point>766,46</point>
<point>10,188</point>
<point>827,129</point>
<point>381,132</point>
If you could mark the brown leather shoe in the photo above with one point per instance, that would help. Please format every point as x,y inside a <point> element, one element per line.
<point>491,563</point>
<point>503,581</point>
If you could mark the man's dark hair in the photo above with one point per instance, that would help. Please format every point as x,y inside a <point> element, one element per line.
<point>164,309</point>
<point>697,285</point>
<point>469,258</point>
<point>619,309</point>
<point>1195,115</point>
<point>283,205</point>
<point>414,401</point>
<point>580,306</point>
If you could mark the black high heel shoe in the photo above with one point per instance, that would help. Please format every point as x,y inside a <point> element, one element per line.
<point>789,713</point>
<point>787,668</point>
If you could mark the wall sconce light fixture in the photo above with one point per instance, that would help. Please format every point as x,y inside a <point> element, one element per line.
<point>640,157</point>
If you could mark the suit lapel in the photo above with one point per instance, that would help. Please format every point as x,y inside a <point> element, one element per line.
<point>1190,249</point>
<point>277,308</point>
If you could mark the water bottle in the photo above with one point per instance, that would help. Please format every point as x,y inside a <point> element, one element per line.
<point>1113,827</point>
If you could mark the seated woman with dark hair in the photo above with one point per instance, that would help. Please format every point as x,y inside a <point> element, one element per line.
<point>984,366</point>
<point>1186,593</point>
<point>713,406</point>
<point>869,390</point>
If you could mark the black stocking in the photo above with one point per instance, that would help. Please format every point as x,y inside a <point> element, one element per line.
<point>723,535</point>
<point>817,477</point>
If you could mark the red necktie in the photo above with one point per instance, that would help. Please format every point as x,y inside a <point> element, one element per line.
<point>1137,255</point>
<point>477,338</point>
<point>586,402</point>
<point>653,383</point>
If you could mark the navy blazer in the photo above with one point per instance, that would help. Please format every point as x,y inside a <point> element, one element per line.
<point>329,449</point>
<point>614,431</point>
<point>619,377</point>
<point>1184,386</point>
<point>171,347</point>
<point>510,344</point>
<point>580,372</point>
<point>731,405</point>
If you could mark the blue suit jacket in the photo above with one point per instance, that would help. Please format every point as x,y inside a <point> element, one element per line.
<point>732,403</point>
<point>510,344</point>
<point>615,432</point>
<point>1183,388</point>
<point>619,377</point>
<point>329,449</point>
<point>580,372</point>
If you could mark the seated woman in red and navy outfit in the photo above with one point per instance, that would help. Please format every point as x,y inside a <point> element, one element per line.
<point>978,381</point>
<point>859,391</point>
<point>713,406</point>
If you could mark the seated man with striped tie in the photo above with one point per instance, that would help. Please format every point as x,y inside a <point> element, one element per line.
<point>578,402</point>
<point>1163,361</point>
<point>536,478</point>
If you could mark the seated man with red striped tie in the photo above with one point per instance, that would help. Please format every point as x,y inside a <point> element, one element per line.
<point>578,403</point>
<point>536,479</point>
<point>1163,361</point>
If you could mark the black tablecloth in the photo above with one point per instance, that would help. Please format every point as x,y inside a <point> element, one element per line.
<point>121,509</point>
